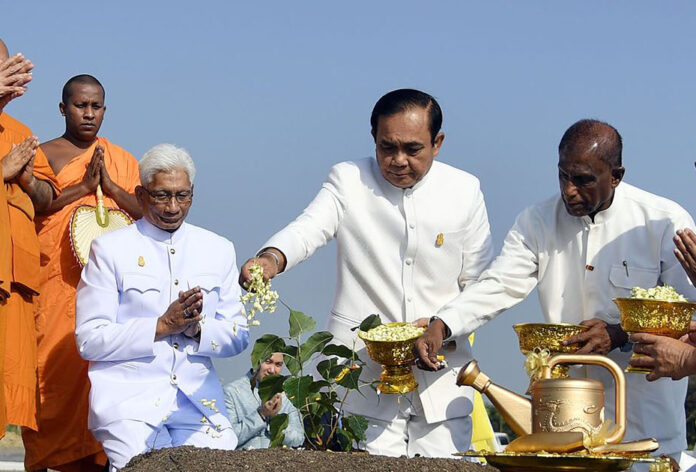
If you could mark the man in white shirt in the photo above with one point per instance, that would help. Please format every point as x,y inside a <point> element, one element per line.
<point>594,242</point>
<point>411,233</point>
<point>156,302</point>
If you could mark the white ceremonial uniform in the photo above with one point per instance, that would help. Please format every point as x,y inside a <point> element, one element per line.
<point>145,390</point>
<point>578,266</point>
<point>390,263</point>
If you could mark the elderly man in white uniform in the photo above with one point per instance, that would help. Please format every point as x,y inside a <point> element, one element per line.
<point>594,242</point>
<point>411,233</point>
<point>156,302</point>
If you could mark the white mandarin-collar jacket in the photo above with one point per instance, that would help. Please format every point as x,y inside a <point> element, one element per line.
<point>132,277</point>
<point>578,266</point>
<point>390,262</point>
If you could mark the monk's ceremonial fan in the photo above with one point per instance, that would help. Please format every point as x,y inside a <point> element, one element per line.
<point>89,222</point>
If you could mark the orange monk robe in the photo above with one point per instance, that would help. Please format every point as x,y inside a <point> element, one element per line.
<point>5,278</point>
<point>63,441</point>
<point>21,258</point>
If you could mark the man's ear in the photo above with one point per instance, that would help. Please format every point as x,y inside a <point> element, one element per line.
<point>437,143</point>
<point>61,107</point>
<point>141,194</point>
<point>617,175</point>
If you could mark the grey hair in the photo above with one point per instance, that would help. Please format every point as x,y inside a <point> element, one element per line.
<point>165,158</point>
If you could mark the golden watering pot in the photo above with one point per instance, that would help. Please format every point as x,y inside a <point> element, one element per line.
<point>557,405</point>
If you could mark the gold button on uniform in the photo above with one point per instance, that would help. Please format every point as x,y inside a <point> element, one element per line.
<point>176,282</point>
<point>176,345</point>
<point>589,267</point>
<point>172,251</point>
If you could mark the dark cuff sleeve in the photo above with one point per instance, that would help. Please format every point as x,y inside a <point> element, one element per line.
<point>617,336</point>
<point>448,331</point>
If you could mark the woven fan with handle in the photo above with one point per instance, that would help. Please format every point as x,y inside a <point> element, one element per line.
<point>88,222</point>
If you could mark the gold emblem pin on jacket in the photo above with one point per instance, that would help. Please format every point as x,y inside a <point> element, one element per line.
<point>141,261</point>
<point>440,240</point>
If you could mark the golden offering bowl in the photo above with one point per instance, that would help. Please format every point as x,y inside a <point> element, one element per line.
<point>538,336</point>
<point>396,358</point>
<point>641,315</point>
<point>547,336</point>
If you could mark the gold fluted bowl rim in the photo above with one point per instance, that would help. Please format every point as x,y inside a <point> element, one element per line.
<point>549,336</point>
<point>391,353</point>
<point>665,318</point>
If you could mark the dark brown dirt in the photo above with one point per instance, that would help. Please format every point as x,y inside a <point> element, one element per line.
<point>190,459</point>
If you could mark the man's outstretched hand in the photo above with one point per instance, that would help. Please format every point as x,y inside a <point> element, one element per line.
<point>666,357</point>
<point>271,266</point>
<point>595,340</point>
<point>429,344</point>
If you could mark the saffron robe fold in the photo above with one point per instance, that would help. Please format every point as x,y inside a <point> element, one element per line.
<point>19,273</point>
<point>63,438</point>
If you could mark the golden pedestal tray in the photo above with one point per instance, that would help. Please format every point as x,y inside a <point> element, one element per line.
<point>396,358</point>
<point>533,462</point>
<point>641,315</point>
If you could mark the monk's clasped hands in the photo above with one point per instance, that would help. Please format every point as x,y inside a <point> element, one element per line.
<point>19,156</point>
<point>15,73</point>
<point>92,176</point>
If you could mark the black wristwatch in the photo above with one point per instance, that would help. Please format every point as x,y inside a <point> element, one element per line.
<point>448,332</point>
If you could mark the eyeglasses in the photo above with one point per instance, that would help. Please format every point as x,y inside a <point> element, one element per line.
<point>162,197</point>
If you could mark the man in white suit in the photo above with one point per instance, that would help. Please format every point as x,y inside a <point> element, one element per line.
<point>156,302</point>
<point>596,240</point>
<point>411,233</point>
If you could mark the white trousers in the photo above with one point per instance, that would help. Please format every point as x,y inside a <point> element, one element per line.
<point>125,439</point>
<point>409,434</point>
<point>686,460</point>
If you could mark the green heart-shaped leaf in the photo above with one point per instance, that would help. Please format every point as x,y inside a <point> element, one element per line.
<point>300,323</point>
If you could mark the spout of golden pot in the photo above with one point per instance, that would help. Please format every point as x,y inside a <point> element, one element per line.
<point>516,409</point>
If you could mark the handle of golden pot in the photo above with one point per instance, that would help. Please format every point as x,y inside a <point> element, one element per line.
<point>619,386</point>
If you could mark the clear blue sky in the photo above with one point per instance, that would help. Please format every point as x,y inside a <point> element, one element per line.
<point>268,95</point>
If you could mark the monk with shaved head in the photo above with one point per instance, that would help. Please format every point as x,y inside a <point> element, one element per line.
<point>594,241</point>
<point>26,181</point>
<point>81,160</point>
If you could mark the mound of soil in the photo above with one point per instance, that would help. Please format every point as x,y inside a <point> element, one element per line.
<point>191,459</point>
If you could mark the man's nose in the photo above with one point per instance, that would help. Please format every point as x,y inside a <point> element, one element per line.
<point>568,188</point>
<point>400,158</point>
<point>89,112</point>
<point>172,205</point>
